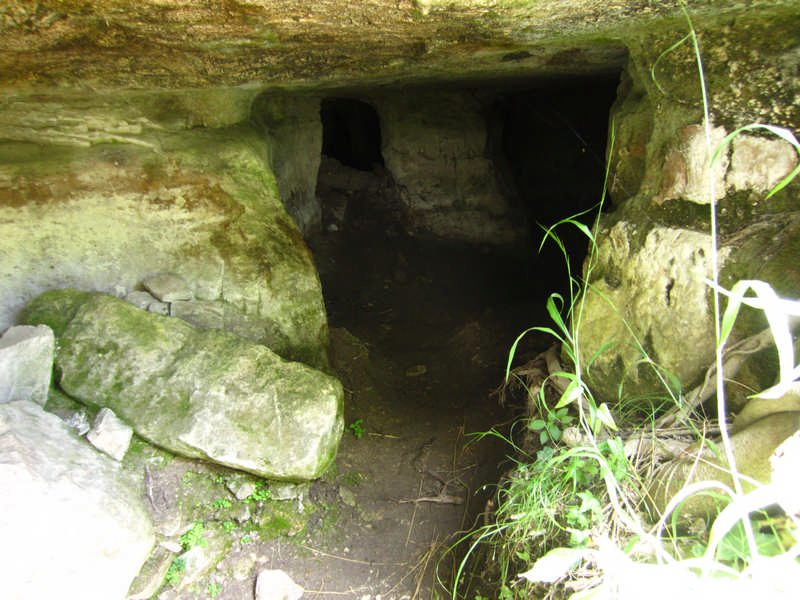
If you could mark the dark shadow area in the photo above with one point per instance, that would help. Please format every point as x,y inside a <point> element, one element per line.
<point>351,133</point>
<point>548,145</point>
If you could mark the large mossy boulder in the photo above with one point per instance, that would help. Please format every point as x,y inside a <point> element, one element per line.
<point>200,393</point>
<point>129,192</point>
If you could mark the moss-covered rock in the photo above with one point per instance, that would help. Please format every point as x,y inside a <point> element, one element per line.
<point>650,299</point>
<point>200,393</point>
<point>203,204</point>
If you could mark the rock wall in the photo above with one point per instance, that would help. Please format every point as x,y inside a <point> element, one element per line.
<point>67,506</point>
<point>293,127</point>
<point>97,193</point>
<point>649,295</point>
<point>435,147</point>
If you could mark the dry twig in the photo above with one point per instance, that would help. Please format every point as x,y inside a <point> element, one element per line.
<point>733,360</point>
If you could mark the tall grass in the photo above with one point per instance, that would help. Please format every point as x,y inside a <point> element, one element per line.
<point>568,509</point>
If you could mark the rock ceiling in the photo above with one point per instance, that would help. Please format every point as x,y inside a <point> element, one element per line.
<point>180,44</point>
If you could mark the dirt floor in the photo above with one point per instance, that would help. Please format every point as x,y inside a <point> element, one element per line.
<point>420,337</point>
<point>421,332</point>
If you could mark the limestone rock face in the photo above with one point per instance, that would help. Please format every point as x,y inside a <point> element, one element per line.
<point>201,204</point>
<point>657,290</point>
<point>200,393</point>
<point>261,41</point>
<point>654,252</point>
<point>434,145</point>
<point>294,128</point>
<point>66,506</point>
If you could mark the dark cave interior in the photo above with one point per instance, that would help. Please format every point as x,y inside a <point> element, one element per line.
<point>351,133</point>
<point>547,141</point>
<point>438,317</point>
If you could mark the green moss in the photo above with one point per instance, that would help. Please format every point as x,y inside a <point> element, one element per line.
<point>55,308</point>
<point>275,518</point>
<point>682,214</point>
<point>352,478</point>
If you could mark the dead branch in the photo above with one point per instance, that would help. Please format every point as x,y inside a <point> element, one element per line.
<point>732,361</point>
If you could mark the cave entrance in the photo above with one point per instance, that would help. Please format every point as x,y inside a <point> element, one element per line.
<point>351,133</point>
<point>352,181</point>
<point>421,326</point>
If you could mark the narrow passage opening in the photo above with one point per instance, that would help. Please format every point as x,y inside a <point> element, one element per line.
<point>421,326</point>
<point>351,133</point>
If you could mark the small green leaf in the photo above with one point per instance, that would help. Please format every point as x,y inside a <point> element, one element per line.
<point>537,425</point>
<point>571,394</point>
<point>605,417</point>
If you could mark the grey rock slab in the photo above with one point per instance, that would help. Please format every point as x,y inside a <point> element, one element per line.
<point>73,525</point>
<point>141,299</point>
<point>160,308</point>
<point>277,585</point>
<point>168,287</point>
<point>200,393</point>
<point>201,559</point>
<point>151,578</point>
<point>110,434</point>
<point>26,363</point>
<point>205,314</point>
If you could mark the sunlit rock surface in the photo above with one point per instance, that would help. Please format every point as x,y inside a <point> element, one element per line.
<point>67,506</point>
<point>103,214</point>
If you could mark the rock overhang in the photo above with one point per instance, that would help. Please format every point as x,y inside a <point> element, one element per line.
<point>177,44</point>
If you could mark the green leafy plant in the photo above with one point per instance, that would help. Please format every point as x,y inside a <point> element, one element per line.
<point>194,537</point>
<point>221,503</point>
<point>357,428</point>
<point>175,571</point>
<point>214,589</point>
<point>550,429</point>
<point>261,493</point>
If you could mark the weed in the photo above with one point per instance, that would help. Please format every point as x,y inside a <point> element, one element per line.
<point>228,526</point>
<point>221,503</point>
<point>357,428</point>
<point>261,494</point>
<point>175,571</point>
<point>194,537</point>
<point>550,429</point>
<point>214,589</point>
